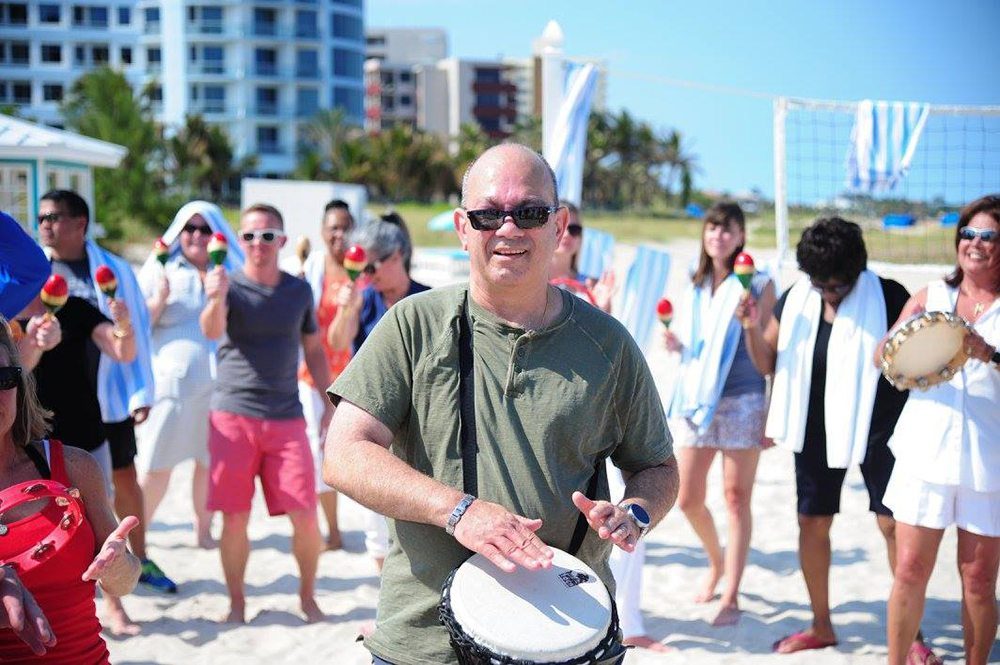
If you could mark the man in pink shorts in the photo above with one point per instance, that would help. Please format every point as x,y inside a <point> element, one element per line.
<point>262,316</point>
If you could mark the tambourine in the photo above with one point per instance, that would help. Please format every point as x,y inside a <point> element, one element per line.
<point>926,350</point>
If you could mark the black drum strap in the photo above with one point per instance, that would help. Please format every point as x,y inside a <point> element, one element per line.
<point>467,404</point>
<point>467,427</point>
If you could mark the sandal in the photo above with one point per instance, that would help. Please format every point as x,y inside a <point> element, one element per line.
<point>801,641</point>
<point>921,654</point>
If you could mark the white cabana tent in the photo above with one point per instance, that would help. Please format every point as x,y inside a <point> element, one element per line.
<point>35,158</point>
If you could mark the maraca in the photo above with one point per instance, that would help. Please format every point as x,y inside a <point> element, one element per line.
<point>161,251</point>
<point>106,280</point>
<point>355,261</point>
<point>744,269</point>
<point>55,293</point>
<point>664,312</point>
<point>302,249</point>
<point>218,246</point>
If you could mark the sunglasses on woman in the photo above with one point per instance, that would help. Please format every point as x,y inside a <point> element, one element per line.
<point>834,289</point>
<point>526,217</point>
<point>197,228</point>
<point>373,267</point>
<point>10,377</point>
<point>266,236</point>
<point>969,233</point>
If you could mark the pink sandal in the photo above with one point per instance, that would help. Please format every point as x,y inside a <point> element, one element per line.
<point>921,654</point>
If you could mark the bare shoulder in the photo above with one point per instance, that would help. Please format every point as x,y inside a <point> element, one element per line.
<point>81,467</point>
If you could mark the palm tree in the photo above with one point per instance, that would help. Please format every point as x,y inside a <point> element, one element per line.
<point>203,158</point>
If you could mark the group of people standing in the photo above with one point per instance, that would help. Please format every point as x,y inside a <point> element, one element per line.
<point>253,372</point>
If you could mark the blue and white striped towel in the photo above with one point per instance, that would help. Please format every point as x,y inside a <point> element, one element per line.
<point>596,253</point>
<point>883,141</point>
<point>644,285</point>
<point>568,147</point>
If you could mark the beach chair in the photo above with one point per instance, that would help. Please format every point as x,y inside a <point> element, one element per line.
<point>644,285</point>
<point>596,253</point>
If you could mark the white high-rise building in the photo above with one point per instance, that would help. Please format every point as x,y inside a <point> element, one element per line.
<point>258,68</point>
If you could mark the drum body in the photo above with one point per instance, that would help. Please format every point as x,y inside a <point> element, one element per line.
<point>926,350</point>
<point>562,615</point>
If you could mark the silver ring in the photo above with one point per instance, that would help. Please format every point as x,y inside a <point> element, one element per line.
<point>623,525</point>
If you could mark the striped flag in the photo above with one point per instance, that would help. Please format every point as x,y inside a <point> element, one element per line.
<point>645,283</point>
<point>567,150</point>
<point>883,141</point>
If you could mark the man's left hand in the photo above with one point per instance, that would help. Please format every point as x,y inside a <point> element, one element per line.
<point>609,521</point>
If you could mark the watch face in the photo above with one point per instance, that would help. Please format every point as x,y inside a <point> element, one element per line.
<point>639,514</point>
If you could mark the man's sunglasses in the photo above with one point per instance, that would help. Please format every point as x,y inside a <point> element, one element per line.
<point>574,230</point>
<point>373,267</point>
<point>266,236</point>
<point>10,377</point>
<point>527,217</point>
<point>51,217</point>
<point>969,233</point>
<point>197,228</point>
<point>835,289</point>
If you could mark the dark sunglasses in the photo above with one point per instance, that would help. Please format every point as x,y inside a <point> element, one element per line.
<point>835,289</point>
<point>197,228</point>
<point>10,377</point>
<point>266,236</point>
<point>372,267</point>
<point>969,233</point>
<point>574,230</point>
<point>51,217</point>
<point>527,217</point>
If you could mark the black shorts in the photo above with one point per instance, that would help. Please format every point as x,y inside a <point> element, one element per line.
<point>121,442</point>
<point>818,486</point>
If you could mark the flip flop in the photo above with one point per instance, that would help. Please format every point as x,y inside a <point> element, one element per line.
<point>921,654</point>
<point>801,641</point>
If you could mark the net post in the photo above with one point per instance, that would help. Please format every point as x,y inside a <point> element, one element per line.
<point>780,178</point>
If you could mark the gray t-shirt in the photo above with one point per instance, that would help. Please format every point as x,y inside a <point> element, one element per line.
<point>259,352</point>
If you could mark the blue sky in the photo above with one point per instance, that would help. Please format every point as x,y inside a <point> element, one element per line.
<point>937,52</point>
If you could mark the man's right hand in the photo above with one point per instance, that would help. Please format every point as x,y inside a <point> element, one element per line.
<point>506,539</point>
<point>216,283</point>
<point>20,613</point>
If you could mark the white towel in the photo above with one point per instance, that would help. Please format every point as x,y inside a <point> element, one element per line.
<point>644,284</point>
<point>596,253</point>
<point>851,376</point>
<point>314,272</point>
<point>215,219</point>
<point>710,335</point>
<point>883,141</point>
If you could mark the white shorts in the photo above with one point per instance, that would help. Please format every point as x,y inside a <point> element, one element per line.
<point>920,503</point>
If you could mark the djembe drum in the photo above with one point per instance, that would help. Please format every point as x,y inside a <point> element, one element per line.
<point>562,615</point>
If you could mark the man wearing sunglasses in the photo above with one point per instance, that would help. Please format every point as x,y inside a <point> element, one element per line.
<point>555,387</point>
<point>262,317</point>
<point>125,389</point>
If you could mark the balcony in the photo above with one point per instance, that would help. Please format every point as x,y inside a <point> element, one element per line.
<point>265,69</point>
<point>264,29</point>
<point>307,72</point>
<point>270,148</point>
<point>494,88</point>
<point>152,28</point>
<point>208,107</point>
<point>207,28</point>
<point>207,68</point>
<point>509,112</point>
<point>266,108</point>
<point>307,31</point>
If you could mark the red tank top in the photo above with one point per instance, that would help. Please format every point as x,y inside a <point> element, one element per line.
<point>50,550</point>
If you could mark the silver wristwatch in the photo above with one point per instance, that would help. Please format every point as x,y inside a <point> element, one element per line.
<point>456,514</point>
<point>638,515</point>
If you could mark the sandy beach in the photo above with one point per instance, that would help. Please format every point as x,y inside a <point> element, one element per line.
<point>184,629</point>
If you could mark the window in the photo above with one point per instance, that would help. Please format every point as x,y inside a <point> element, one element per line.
<point>79,55</point>
<point>405,100</point>
<point>490,124</point>
<point>267,101</point>
<point>488,100</point>
<point>49,14</point>
<point>215,99</point>
<point>388,103</point>
<point>153,58</point>
<point>265,62</point>
<point>126,55</point>
<point>487,76</point>
<point>347,3</point>
<point>306,23</point>
<point>20,92</point>
<point>213,60</point>
<point>307,64</point>
<point>348,63</point>
<point>306,102</point>
<point>99,55</point>
<point>206,20</point>
<point>90,17</point>
<point>124,16</point>
<point>13,13</point>
<point>17,53</point>
<point>267,140</point>
<point>156,94</point>
<point>151,17</point>
<point>51,53</point>
<point>265,21</point>
<point>351,100</point>
<point>405,77</point>
<point>52,92</point>
<point>346,27</point>
<point>386,78</point>
<point>375,41</point>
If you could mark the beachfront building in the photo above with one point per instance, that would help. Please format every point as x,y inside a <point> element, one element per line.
<point>259,68</point>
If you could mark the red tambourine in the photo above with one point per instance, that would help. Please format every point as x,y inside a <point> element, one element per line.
<point>65,511</point>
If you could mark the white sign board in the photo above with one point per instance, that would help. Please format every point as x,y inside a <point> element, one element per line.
<point>301,203</point>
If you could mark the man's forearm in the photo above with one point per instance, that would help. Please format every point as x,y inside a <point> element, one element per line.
<point>316,364</point>
<point>213,319</point>
<point>655,489</point>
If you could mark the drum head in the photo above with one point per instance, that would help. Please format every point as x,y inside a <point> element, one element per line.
<point>926,350</point>
<point>543,616</point>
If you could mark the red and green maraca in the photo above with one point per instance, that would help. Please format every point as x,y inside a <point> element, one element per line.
<point>106,280</point>
<point>218,246</point>
<point>744,269</point>
<point>161,251</point>
<point>355,260</point>
<point>664,312</point>
<point>55,293</point>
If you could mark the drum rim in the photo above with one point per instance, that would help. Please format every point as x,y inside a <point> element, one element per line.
<point>471,653</point>
<point>908,328</point>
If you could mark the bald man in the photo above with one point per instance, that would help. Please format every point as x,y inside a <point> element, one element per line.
<point>556,386</point>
